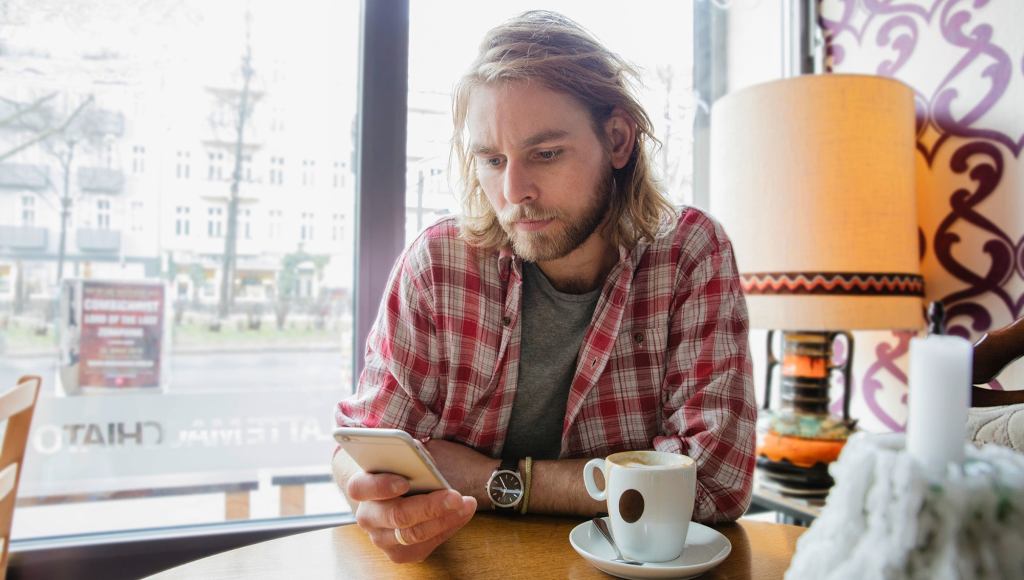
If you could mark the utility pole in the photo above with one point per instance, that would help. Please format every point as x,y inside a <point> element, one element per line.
<point>231,239</point>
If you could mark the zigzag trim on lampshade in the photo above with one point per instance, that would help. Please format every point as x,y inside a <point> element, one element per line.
<point>832,283</point>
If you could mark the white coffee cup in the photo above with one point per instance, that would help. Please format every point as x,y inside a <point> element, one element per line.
<point>650,500</point>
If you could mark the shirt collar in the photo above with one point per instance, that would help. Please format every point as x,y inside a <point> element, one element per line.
<point>509,262</point>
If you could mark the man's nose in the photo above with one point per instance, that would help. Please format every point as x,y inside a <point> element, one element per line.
<point>519,186</point>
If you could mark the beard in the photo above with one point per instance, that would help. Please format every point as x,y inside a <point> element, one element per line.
<point>566,233</point>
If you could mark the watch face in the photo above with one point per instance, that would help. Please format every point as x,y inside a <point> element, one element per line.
<point>505,489</point>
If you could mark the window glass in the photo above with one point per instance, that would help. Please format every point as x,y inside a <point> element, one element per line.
<point>654,35</point>
<point>191,336</point>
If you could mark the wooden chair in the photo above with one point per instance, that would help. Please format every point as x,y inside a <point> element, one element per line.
<point>992,353</point>
<point>16,407</point>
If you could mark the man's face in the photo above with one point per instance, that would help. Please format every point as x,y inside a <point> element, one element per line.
<point>542,167</point>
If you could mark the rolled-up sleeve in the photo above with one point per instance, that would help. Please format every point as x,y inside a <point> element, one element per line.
<point>709,406</point>
<point>400,377</point>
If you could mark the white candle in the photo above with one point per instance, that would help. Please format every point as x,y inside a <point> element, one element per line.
<point>940,392</point>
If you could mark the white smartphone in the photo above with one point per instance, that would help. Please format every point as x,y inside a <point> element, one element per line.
<point>392,451</point>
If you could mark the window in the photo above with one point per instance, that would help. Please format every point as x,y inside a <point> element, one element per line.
<point>28,210</point>
<point>338,176</point>
<point>215,222</point>
<point>277,171</point>
<point>103,214</point>
<point>182,225</point>
<point>182,169</point>
<point>276,222</point>
<point>234,419</point>
<point>245,223</point>
<point>138,159</point>
<point>308,172</point>
<point>137,217</point>
<point>337,223</point>
<point>306,227</point>
<point>215,171</point>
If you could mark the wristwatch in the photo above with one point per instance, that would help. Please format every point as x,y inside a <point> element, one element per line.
<point>505,488</point>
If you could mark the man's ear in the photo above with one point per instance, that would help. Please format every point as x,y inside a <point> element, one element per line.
<point>620,132</point>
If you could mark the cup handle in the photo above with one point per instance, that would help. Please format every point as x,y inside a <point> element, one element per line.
<point>588,479</point>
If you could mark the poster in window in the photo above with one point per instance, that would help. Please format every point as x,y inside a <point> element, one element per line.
<point>112,335</point>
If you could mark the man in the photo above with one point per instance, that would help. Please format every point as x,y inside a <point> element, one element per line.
<point>568,314</point>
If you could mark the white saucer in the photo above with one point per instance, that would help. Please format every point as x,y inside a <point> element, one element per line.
<point>705,549</point>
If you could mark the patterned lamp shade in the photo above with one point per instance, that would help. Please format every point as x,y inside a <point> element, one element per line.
<point>813,179</point>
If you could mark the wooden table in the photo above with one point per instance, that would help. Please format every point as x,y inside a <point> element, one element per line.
<point>490,546</point>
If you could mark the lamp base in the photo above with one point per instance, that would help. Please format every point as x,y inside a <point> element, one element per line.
<point>791,480</point>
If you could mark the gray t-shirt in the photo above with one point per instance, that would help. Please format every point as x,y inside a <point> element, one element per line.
<point>553,327</point>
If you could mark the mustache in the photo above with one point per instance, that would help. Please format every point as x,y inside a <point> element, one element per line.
<point>526,213</point>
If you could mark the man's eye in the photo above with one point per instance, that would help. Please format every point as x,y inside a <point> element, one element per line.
<point>549,155</point>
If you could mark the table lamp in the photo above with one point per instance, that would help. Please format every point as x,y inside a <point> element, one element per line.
<point>813,179</point>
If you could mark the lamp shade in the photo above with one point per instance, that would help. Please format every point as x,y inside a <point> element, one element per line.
<point>813,179</point>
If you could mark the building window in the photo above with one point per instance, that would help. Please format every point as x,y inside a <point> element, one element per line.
<point>338,177</point>
<point>276,221</point>
<point>246,225</point>
<point>183,168</point>
<point>277,119</point>
<point>308,172</point>
<point>215,222</point>
<point>182,226</point>
<point>216,167</point>
<point>337,221</point>
<point>28,210</point>
<point>306,227</point>
<point>138,159</point>
<point>137,218</point>
<point>108,154</point>
<point>247,168</point>
<point>103,214</point>
<point>277,171</point>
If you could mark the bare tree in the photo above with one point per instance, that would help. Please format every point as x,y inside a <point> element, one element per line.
<point>242,109</point>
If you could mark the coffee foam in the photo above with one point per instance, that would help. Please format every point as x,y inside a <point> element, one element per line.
<point>648,460</point>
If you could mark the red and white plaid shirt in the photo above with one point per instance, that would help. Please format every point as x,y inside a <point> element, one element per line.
<point>663,365</point>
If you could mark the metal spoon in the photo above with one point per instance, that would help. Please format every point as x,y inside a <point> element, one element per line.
<point>603,528</point>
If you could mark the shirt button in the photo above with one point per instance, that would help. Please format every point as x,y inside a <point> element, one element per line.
<point>505,320</point>
<point>638,338</point>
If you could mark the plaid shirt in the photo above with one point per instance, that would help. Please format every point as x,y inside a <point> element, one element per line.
<point>663,365</point>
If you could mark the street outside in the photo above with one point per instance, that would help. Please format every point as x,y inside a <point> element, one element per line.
<point>311,368</point>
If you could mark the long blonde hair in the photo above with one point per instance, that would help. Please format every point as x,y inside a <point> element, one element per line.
<point>557,52</point>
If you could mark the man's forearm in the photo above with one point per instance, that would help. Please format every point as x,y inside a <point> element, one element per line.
<point>557,488</point>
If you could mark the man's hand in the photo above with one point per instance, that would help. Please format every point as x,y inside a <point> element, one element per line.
<point>424,522</point>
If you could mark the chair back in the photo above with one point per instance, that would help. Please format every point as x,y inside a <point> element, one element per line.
<point>16,407</point>
<point>992,353</point>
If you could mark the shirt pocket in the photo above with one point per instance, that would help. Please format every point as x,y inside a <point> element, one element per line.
<point>635,372</point>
